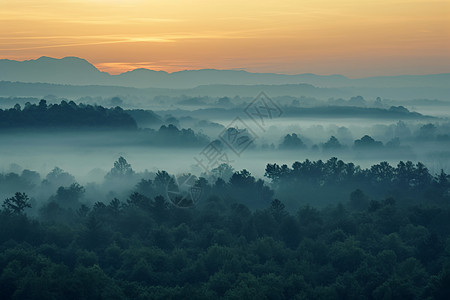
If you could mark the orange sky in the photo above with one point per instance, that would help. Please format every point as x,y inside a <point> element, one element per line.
<point>356,38</point>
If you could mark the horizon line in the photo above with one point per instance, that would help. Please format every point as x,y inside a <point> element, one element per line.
<point>215,69</point>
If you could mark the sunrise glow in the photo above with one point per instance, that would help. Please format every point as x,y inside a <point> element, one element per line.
<point>354,38</point>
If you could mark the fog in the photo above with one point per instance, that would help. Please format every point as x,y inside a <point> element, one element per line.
<point>225,192</point>
<point>89,154</point>
<point>79,153</point>
<point>83,131</point>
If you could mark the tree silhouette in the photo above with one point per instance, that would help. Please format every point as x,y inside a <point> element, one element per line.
<point>367,142</point>
<point>443,180</point>
<point>59,178</point>
<point>242,178</point>
<point>332,144</point>
<point>121,169</point>
<point>292,142</point>
<point>162,179</point>
<point>224,171</point>
<point>69,196</point>
<point>17,204</point>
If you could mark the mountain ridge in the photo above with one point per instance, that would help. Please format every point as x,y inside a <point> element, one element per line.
<point>78,71</point>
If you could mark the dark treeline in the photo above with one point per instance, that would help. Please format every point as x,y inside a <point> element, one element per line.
<point>64,115</point>
<point>317,180</point>
<point>170,135</point>
<point>317,183</point>
<point>427,133</point>
<point>72,117</point>
<point>177,131</point>
<point>391,108</point>
<point>240,241</point>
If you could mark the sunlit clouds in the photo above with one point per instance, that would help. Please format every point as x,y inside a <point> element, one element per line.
<point>353,38</point>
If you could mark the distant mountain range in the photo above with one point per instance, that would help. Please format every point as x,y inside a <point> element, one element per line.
<point>23,89</point>
<point>77,71</point>
<point>42,90</point>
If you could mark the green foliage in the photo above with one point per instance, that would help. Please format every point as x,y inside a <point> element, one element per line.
<point>142,247</point>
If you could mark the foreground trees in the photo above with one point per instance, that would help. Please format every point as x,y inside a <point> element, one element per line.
<point>222,250</point>
<point>143,247</point>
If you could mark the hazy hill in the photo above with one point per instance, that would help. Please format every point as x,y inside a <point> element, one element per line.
<point>68,70</point>
<point>22,89</point>
<point>393,113</point>
<point>77,71</point>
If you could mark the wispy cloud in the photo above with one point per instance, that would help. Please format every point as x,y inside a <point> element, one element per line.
<point>57,41</point>
<point>154,40</point>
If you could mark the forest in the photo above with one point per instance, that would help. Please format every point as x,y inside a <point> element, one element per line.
<point>387,238</point>
<point>64,115</point>
<point>267,150</point>
<point>103,196</point>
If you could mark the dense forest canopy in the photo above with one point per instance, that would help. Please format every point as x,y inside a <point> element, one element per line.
<point>387,239</point>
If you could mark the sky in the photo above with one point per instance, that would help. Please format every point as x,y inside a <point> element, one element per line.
<point>355,38</point>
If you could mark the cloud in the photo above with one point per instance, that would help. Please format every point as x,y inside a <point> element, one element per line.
<point>83,44</point>
<point>58,41</point>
